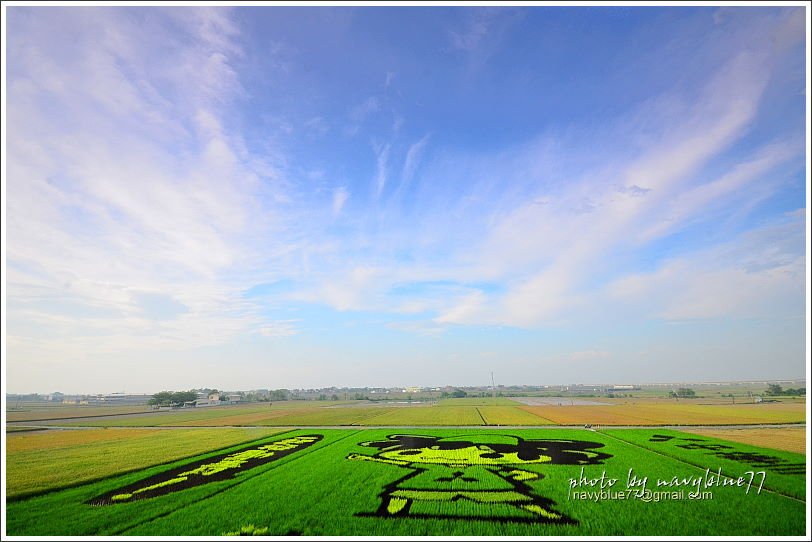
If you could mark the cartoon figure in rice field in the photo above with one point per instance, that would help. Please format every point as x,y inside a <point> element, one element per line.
<point>473,477</point>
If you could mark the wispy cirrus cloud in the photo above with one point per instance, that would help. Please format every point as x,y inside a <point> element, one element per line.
<point>340,196</point>
<point>360,113</point>
<point>381,171</point>
<point>480,26</point>
<point>571,243</point>
<point>413,157</point>
<point>755,276</point>
<point>162,171</point>
<point>128,193</point>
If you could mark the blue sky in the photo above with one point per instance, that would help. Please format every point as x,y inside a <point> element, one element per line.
<point>273,197</point>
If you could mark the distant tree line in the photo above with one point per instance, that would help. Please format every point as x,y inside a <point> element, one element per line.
<point>776,389</point>
<point>168,398</point>
<point>686,393</point>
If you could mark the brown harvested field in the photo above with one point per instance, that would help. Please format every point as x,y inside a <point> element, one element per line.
<point>580,415</point>
<point>672,413</point>
<point>791,439</point>
<point>730,414</point>
<point>89,454</point>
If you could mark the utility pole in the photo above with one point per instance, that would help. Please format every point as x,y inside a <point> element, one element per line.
<point>493,386</point>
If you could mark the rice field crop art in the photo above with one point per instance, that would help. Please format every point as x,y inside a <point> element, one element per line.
<point>208,470</point>
<point>784,471</point>
<point>459,477</point>
<point>440,482</point>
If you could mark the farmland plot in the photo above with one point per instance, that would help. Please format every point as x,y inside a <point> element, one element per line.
<point>440,482</point>
<point>62,412</point>
<point>784,469</point>
<point>508,415</point>
<point>45,460</point>
<point>791,439</point>
<point>434,415</point>
<point>660,413</point>
<point>478,401</point>
<point>330,416</point>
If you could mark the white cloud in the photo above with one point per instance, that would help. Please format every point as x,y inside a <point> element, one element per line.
<point>552,220</point>
<point>350,291</point>
<point>554,251</point>
<point>126,175</point>
<point>479,25</point>
<point>382,157</point>
<point>470,37</point>
<point>360,113</point>
<point>397,123</point>
<point>280,328</point>
<point>368,107</point>
<point>413,156</point>
<point>693,201</point>
<point>758,275</point>
<point>340,196</point>
<point>123,177</point>
<point>471,308</point>
<point>479,34</point>
<point>318,125</point>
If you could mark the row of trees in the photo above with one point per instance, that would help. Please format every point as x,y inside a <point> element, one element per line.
<point>168,398</point>
<point>776,389</point>
<point>686,393</point>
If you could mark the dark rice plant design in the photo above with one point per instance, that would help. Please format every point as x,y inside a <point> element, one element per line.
<point>474,477</point>
<point>213,469</point>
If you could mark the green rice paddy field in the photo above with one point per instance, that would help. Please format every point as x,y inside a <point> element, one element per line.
<point>368,481</point>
